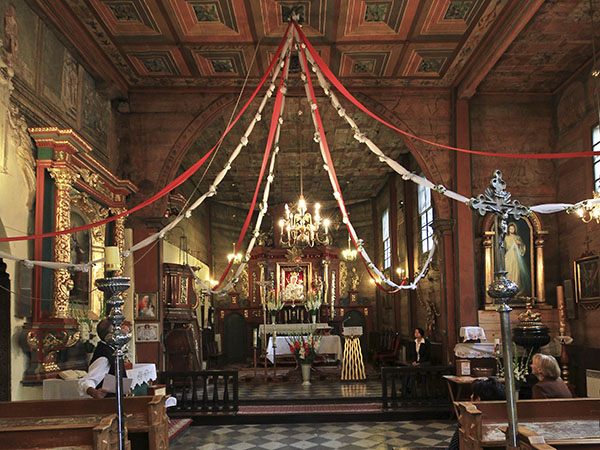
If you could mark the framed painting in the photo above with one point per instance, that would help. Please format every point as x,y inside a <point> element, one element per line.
<point>519,258</point>
<point>587,279</point>
<point>146,306</point>
<point>147,332</point>
<point>293,281</point>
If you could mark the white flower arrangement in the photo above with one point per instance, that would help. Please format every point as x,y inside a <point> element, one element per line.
<point>313,302</point>
<point>274,303</point>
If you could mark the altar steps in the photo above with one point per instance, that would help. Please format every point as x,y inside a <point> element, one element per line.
<point>323,412</point>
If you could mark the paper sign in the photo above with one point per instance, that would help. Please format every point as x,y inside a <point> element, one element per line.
<point>110,384</point>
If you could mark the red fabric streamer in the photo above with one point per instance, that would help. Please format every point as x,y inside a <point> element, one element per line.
<point>176,182</point>
<point>331,171</point>
<point>329,74</point>
<point>263,167</point>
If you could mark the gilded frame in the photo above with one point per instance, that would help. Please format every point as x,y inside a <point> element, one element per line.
<point>285,272</point>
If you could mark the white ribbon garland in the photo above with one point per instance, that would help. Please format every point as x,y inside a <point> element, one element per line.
<point>548,208</point>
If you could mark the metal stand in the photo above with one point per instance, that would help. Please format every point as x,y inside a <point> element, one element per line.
<point>497,201</point>
<point>117,339</point>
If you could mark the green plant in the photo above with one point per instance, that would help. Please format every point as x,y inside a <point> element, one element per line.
<point>304,348</point>
<point>520,364</point>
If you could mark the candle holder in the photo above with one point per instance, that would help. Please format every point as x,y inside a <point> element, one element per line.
<point>117,339</point>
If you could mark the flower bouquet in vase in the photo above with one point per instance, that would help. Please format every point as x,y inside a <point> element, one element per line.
<point>520,366</point>
<point>274,305</point>
<point>312,304</point>
<point>304,348</point>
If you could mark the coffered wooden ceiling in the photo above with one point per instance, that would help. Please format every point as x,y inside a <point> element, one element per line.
<point>497,45</point>
<point>524,46</point>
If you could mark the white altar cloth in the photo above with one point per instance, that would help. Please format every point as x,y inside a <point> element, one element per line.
<point>327,345</point>
<point>475,350</point>
<point>142,373</point>
<point>292,328</point>
<point>472,333</point>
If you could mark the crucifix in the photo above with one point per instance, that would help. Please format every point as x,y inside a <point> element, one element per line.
<point>497,200</point>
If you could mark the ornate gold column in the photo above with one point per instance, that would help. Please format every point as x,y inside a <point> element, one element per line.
<point>488,241</point>
<point>62,285</point>
<point>540,289</point>
<point>119,236</point>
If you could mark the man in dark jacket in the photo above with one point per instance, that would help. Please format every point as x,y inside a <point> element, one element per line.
<point>102,362</point>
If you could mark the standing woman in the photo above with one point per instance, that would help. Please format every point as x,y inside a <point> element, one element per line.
<point>550,384</point>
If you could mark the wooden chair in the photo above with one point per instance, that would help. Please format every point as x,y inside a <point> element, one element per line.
<point>391,354</point>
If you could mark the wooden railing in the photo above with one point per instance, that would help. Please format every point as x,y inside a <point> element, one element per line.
<point>203,392</point>
<point>425,386</point>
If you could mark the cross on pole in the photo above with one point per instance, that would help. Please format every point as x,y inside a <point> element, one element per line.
<point>498,201</point>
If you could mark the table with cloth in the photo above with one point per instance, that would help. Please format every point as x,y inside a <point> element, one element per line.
<point>328,345</point>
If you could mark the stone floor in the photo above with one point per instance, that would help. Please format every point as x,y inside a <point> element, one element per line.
<point>361,435</point>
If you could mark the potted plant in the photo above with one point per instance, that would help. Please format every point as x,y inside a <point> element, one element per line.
<point>304,348</point>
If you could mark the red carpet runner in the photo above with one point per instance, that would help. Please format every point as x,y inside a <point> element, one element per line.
<point>176,426</point>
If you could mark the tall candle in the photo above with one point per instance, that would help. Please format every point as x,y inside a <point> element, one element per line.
<point>254,337</point>
<point>560,304</point>
<point>112,261</point>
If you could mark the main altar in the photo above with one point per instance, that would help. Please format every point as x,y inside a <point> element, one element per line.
<point>289,275</point>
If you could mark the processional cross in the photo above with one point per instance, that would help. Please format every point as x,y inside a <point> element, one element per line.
<point>497,200</point>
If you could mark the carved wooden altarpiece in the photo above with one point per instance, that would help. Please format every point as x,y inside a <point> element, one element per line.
<point>71,185</point>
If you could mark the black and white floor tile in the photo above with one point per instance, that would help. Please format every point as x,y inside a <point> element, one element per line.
<point>351,436</point>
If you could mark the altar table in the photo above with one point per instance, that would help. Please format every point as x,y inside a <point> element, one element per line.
<point>327,345</point>
<point>293,328</point>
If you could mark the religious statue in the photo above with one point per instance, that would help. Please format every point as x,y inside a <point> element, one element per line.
<point>354,279</point>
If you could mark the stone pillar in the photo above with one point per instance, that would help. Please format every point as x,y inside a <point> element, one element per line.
<point>62,285</point>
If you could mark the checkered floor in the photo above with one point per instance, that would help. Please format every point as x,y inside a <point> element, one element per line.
<point>363,435</point>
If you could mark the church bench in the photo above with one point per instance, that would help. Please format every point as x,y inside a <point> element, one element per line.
<point>146,418</point>
<point>76,432</point>
<point>563,423</point>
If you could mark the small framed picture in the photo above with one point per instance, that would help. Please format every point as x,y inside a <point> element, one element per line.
<point>463,367</point>
<point>587,279</point>
<point>146,306</point>
<point>147,332</point>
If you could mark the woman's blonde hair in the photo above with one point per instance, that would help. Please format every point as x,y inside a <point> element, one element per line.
<point>550,368</point>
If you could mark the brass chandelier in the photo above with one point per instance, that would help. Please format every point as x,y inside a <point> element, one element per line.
<point>298,228</point>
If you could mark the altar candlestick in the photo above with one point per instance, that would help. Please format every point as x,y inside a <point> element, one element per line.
<point>560,304</point>
<point>254,338</point>
<point>112,260</point>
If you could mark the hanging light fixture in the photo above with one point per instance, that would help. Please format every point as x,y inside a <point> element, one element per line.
<point>350,253</point>
<point>589,212</point>
<point>298,228</point>
<point>233,256</point>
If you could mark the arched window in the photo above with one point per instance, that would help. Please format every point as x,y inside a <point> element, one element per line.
<point>425,209</point>
<point>595,148</point>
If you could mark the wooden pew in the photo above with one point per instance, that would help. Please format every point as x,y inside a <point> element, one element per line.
<point>146,417</point>
<point>563,423</point>
<point>83,432</point>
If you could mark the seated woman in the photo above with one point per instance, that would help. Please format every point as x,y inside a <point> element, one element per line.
<point>550,384</point>
<point>420,349</point>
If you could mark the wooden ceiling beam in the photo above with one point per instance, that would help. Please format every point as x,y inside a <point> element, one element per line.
<point>497,41</point>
